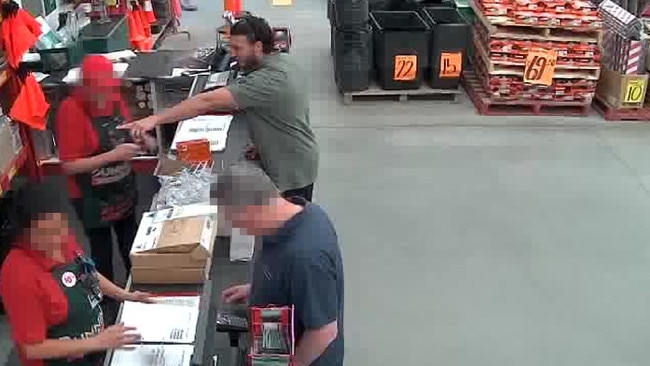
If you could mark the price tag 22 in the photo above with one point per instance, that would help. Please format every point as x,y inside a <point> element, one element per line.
<point>540,67</point>
<point>634,91</point>
<point>405,67</point>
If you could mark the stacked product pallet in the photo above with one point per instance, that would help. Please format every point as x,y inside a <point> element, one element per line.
<point>534,56</point>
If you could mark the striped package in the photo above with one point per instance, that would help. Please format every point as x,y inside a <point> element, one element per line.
<point>619,20</point>
<point>623,55</point>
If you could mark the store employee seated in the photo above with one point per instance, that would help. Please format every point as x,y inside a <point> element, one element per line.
<point>300,262</point>
<point>51,291</point>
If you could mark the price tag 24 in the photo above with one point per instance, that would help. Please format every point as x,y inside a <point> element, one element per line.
<point>634,91</point>
<point>540,67</point>
<point>405,68</point>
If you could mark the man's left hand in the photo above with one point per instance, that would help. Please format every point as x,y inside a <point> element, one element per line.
<point>138,296</point>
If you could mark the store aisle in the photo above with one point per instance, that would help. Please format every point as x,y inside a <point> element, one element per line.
<point>471,240</point>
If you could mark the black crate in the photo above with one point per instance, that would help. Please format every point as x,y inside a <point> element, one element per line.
<point>401,49</point>
<point>351,15</point>
<point>450,37</point>
<point>352,56</point>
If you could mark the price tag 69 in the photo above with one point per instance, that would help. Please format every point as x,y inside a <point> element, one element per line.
<point>540,67</point>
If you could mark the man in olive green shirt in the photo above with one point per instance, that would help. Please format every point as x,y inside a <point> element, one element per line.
<point>272,96</point>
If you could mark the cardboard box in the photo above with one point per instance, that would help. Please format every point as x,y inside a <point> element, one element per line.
<point>621,91</point>
<point>172,249</point>
<point>175,276</point>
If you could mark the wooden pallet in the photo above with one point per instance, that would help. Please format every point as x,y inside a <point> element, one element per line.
<point>612,113</point>
<point>487,107</point>
<point>423,93</point>
<point>504,28</point>
<point>507,68</point>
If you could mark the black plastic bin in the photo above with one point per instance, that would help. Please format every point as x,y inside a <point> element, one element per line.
<point>352,56</point>
<point>401,48</point>
<point>350,15</point>
<point>449,38</point>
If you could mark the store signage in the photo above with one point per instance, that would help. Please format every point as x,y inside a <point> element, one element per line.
<point>451,64</point>
<point>634,91</point>
<point>540,67</point>
<point>405,67</point>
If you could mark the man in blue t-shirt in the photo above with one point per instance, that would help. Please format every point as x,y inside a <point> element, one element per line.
<point>300,262</point>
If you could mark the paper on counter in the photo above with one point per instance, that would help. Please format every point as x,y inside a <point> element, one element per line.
<point>119,55</point>
<point>74,74</point>
<point>161,323</point>
<point>187,301</point>
<point>154,355</point>
<point>213,128</point>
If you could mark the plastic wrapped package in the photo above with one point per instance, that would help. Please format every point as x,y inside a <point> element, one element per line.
<point>189,186</point>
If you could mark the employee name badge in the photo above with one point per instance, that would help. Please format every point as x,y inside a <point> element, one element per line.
<point>69,279</point>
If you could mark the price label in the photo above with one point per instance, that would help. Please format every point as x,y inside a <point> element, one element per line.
<point>405,68</point>
<point>634,91</point>
<point>451,64</point>
<point>540,67</point>
<point>282,2</point>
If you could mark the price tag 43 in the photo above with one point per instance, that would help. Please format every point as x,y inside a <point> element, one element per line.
<point>540,67</point>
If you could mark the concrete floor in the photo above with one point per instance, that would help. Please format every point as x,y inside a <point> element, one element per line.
<point>471,240</point>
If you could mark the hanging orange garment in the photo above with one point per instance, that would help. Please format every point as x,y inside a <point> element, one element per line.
<point>30,106</point>
<point>135,30</point>
<point>148,11</point>
<point>18,34</point>
<point>142,18</point>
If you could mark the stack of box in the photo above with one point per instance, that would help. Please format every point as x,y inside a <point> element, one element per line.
<point>624,79</point>
<point>174,246</point>
<point>567,33</point>
<point>351,44</point>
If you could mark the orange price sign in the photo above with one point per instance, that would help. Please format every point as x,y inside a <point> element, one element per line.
<point>451,64</point>
<point>405,67</point>
<point>540,67</point>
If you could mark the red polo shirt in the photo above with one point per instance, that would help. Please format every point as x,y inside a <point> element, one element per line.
<point>33,299</point>
<point>75,135</point>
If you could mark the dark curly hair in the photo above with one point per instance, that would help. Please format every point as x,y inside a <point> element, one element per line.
<point>9,9</point>
<point>255,29</point>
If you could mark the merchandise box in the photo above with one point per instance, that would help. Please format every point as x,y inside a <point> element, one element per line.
<point>173,247</point>
<point>621,91</point>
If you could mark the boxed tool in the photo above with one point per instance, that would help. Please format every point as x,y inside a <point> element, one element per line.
<point>173,247</point>
<point>272,336</point>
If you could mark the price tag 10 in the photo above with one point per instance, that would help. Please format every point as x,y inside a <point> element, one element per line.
<point>405,68</point>
<point>540,67</point>
<point>634,91</point>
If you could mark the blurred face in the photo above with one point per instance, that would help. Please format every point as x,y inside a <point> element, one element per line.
<point>47,233</point>
<point>249,55</point>
<point>99,89</point>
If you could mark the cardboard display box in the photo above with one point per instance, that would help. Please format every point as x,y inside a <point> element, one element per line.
<point>621,91</point>
<point>173,248</point>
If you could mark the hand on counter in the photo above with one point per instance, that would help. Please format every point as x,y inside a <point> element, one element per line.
<point>140,128</point>
<point>236,294</point>
<point>138,296</point>
<point>116,336</point>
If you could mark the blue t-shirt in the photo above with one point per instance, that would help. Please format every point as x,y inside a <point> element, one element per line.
<point>301,265</point>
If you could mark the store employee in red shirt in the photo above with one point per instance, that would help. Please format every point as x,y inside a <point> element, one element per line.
<point>51,291</point>
<point>97,157</point>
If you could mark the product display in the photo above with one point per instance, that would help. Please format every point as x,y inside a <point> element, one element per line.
<point>528,51</point>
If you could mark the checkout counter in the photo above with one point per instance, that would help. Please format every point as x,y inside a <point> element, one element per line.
<point>211,347</point>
